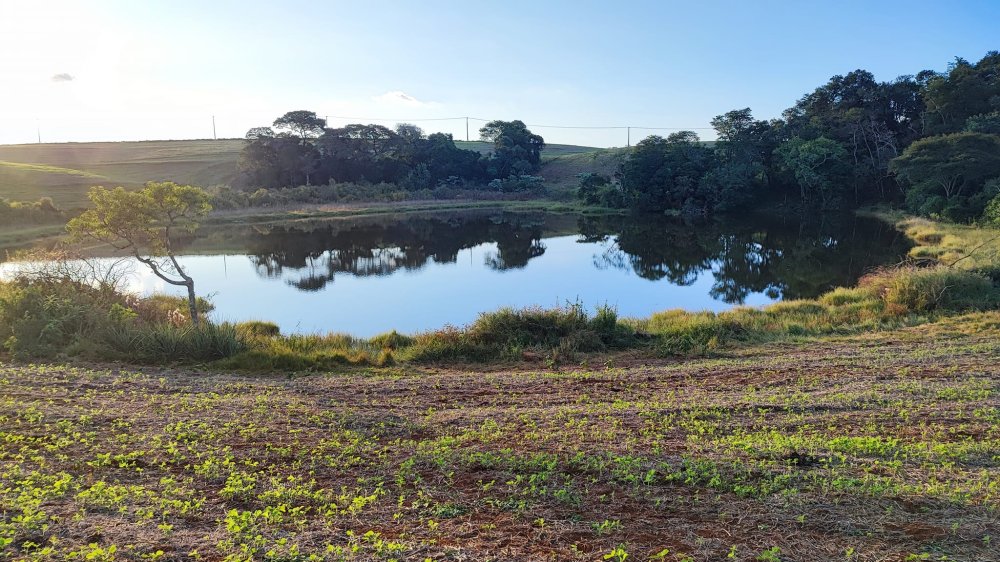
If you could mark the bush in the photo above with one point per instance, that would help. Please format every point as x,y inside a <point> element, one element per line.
<point>74,307</point>
<point>518,184</point>
<point>507,332</point>
<point>43,319</point>
<point>169,343</point>
<point>991,215</point>
<point>258,328</point>
<point>679,331</point>
<point>843,296</point>
<point>909,289</point>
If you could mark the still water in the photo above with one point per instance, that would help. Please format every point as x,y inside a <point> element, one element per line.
<point>420,272</point>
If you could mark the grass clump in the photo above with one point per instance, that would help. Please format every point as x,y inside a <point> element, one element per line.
<point>910,289</point>
<point>508,333</point>
<point>166,342</point>
<point>268,350</point>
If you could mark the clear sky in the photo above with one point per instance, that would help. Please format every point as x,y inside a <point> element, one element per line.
<point>157,69</point>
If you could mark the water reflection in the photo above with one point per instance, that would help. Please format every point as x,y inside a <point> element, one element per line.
<point>782,258</point>
<point>310,255</point>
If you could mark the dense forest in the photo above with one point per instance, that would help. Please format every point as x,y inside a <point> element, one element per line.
<point>930,141</point>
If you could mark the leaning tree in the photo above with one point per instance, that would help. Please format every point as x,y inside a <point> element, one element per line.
<point>146,223</point>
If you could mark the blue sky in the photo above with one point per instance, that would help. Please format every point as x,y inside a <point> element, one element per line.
<point>158,69</point>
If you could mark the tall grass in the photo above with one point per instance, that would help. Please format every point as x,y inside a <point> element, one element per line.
<point>169,343</point>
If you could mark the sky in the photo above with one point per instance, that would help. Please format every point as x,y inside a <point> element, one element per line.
<point>106,70</point>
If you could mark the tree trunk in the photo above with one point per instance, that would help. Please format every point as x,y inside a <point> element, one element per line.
<point>192,303</point>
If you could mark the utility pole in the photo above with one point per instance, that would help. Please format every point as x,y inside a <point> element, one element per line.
<point>38,129</point>
<point>629,133</point>
<point>214,136</point>
<point>466,129</point>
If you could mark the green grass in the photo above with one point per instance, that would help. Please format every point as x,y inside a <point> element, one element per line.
<point>561,170</point>
<point>65,171</point>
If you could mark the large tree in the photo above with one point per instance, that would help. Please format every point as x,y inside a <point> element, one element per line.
<point>947,173</point>
<point>668,174</point>
<point>146,224</point>
<point>516,150</point>
<point>820,168</point>
<point>301,124</point>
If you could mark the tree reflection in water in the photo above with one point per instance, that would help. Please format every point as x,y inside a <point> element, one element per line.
<point>780,257</point>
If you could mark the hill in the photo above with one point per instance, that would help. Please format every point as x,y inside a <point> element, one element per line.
<point>65,171</point>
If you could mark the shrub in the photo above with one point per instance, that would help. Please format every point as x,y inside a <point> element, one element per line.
<point>843,296</point>
<point>166,342</point>
<point>679,331</point>
<point>258,328</point>
<point>909,289</point>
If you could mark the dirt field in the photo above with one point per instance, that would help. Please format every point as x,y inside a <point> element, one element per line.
<point>883,447</point>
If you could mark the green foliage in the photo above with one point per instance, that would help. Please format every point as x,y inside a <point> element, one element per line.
<point>851,141</point>
<point>668,174</point>
<point>966,90</point>
<point>516,150</point>
<point>146,223</point>
<point>58,316</point>
<point>507,332</point>
<point>142,220</point>
<point>42,211</point>
<point>991,214</point>
<point>46,319</point>
<point>166,342</point>
<point>820,168</point>
<point>948,174</point>
<point>258,328</point>
<point>985,123</point>
<point>598,189</point>
<point>517,184</point>
<point>301,124</point>
<point>907,290</point>
<point>309,153</point>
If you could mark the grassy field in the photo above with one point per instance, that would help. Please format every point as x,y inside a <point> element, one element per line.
<point>882,447</point>
<point>64,172</point>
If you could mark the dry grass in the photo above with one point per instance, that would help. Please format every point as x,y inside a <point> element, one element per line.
<point>878,447</point>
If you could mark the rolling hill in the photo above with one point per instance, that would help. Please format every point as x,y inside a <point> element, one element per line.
<point>65,171</point>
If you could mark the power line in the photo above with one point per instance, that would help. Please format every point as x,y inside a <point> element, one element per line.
<point>597,127</point>
<point>398,120</point>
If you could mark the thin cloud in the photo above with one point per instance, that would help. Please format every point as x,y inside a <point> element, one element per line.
<point>400,97</point>
<point>63,77</point>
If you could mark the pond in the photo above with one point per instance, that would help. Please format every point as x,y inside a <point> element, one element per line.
<point>417,272</point>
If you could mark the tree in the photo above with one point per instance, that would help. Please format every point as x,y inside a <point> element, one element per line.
<point>965,90</point>
<point>516,150</point>
<point>667,174</point>
<point>145,223</point>
<point>819,167</point>
<point>986,123</point>
<point>947,173</point>
<point>257,133</point>
<point>301,124</point>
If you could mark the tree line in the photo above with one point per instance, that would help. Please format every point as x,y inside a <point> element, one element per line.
<point>931,141</point>
<point>299,149</point>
